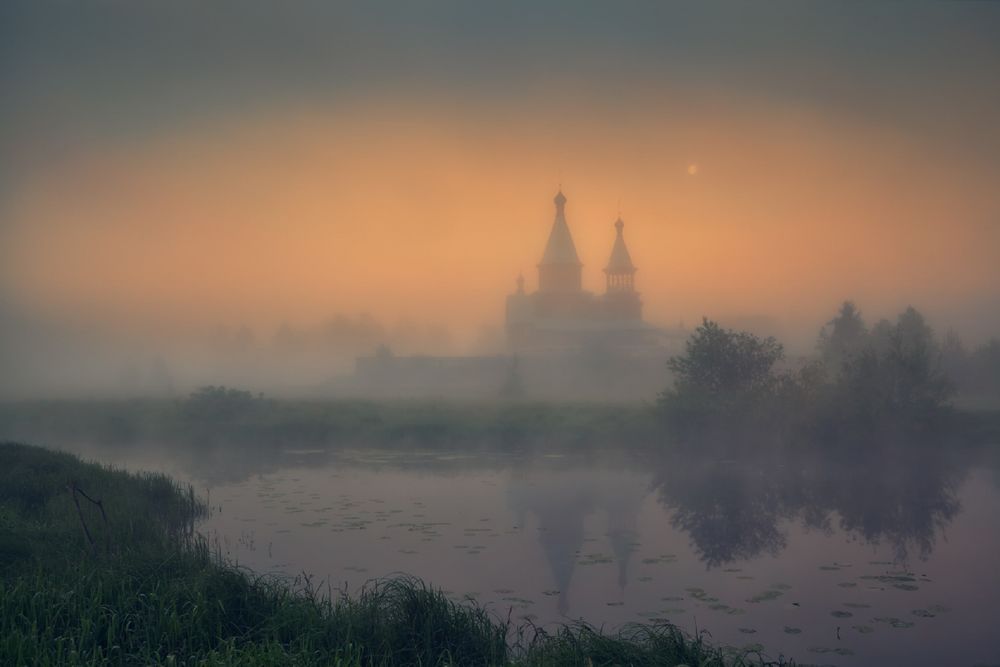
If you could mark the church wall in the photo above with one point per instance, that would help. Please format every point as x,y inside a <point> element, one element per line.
<point>560,278</point>
<point>623,306</point>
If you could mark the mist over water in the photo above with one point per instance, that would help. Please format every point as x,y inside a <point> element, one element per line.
<point>891,551</point>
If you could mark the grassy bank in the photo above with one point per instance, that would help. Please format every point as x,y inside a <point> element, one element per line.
<point>133,584</point>
<point>266,424</point>
<point>250,421</point>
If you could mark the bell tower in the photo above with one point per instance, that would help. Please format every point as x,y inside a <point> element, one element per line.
<point>621,300</point>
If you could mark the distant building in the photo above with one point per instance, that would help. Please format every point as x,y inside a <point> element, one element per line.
<point>562,316</point>
<point>563,341</point>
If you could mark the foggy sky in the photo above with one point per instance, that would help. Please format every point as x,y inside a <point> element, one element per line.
<point>166,165</point>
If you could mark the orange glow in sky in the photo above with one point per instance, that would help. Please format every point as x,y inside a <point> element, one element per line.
<point>429,213</point>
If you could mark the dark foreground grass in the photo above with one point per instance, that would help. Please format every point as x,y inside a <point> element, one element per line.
<point>139,587</point>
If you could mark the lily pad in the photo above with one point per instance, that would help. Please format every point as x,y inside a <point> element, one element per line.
<point>662,558</point>
<point>521,602</point>
<point>836,651</point>
<point>596,559</point>
<point>700,595</point>
<point>770,594</point>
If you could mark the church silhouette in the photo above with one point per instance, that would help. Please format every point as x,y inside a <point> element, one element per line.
<point>562,341</point>
<point>561,315</point>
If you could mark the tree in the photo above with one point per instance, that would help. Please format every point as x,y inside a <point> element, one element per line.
<point>914,332</point>
<point>955,359</point>
<point>842,337</point>
<point>985,368</point>
<point>880,336</point>
<point>900,374</point>
<point>211,403</point>
<point>723,378</point>
<point>720,361</point>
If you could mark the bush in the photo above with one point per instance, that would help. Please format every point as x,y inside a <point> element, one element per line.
<point>724,380</point>
<point>213,403</point>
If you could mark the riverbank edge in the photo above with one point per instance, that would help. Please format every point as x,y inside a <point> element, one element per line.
<point>100,566</point>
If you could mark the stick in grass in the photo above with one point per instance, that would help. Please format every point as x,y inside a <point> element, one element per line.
<point>86,531</point>
<point>74,489</point>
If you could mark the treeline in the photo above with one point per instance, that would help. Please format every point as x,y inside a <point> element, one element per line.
<point>846,338</point>
<point>890,375</point>
<point>342,333</point>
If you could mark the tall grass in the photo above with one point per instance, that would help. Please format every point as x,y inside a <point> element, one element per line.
<point>150,592</point>
<point>637,645</point>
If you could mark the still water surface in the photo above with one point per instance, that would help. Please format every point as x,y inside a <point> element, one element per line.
<point>885,562</point>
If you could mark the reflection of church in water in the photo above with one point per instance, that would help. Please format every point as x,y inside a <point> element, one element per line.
<point>561,503</point>
<point>562,340</point>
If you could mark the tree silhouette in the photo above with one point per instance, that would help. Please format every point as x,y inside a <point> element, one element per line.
<point>842,337</point>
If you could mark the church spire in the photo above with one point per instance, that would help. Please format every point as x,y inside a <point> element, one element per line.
<point>560,249</point>
<point>621,300</point>
<point>620,269</point>
<point>560,268</point>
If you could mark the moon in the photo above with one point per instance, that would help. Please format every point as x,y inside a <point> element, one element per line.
<point>693,169</point>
